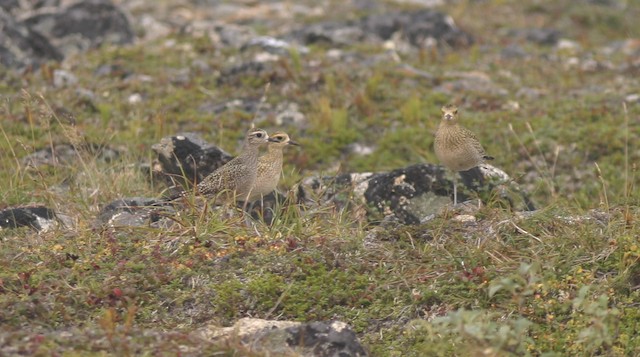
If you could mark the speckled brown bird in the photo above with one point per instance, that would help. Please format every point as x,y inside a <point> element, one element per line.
<point>456,147</point>
<point>270,166</point>
<point>235,179</point>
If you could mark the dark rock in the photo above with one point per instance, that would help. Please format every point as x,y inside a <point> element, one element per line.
<point>112,70</point>
<point>233,35</point>
<point>331,33</point>
<point>62,78</point>
<point>513,51</point>
<point>83,25</point>
<point>474,82</point>
<point>540,36</point>
<point>266,209</point>
<point>246,105</point>
<point>36,217</point>
<point>265,72</point>
<point>410,195</point>
<point>9,5</point>
<point>135,212</point>
<point>21,47</point>
<point>67,154</point>
<point>185,159</point>
<point>619,4</point>
<point>325,339</point>
<point>421,28</point>
<point>52,32</point>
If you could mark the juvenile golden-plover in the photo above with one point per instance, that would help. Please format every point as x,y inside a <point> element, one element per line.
<point>456,147</point>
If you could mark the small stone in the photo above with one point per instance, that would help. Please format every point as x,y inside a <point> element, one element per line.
<point>632,98</point>
<point>360,149</point>
<point>153,29</point>
<point>567,45</point>
<point>62,78</point>
<point>86,94</point>
<point>265,57</point>
<point>274,45</point>
<point>511,105</point>
<point>289,115</point>
<point>134,98</point>
<point>465,218</point>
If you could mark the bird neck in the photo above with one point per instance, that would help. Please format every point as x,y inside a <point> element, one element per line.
<point>249,151</point>
<point>449,123</point>
<point>274,153</point>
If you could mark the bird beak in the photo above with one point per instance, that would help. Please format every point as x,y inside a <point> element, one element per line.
<point>448,116</point>
<point>291,142</point>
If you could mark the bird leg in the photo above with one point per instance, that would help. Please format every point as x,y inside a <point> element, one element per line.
<point>455,190</point>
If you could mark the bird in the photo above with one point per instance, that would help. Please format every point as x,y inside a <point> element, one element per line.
<point>457,148</point>
<point>234,180</point>
<point>270,166</point>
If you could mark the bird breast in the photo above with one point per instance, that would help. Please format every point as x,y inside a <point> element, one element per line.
<point>457,149</point>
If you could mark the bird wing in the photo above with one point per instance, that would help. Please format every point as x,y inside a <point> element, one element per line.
<point>476,143</point>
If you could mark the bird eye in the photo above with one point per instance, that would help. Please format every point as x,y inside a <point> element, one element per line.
<point>258,135</point>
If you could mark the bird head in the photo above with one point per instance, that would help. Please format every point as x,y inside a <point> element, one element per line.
<point>449,112</point>
<point>257,136</point>
<point>281,139</point>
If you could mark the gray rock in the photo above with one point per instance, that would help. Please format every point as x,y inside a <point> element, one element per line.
<point>39,218</point>
<point>67,154</point>
<point>247,105</point>
<point>314,339</point>
<point>232,35</point>
<point>475,82</point>
<point>21,47</point>
<point>331,33</point>
<point>9,5</point>
<point>113,70</point>
<point>618,4</point>
<point>540,36</point>
<point>410,195</point>
<point>49,32</point>
<point>82,25</point>
<point>288,114</point>
<point>513,51</point>
<point>421,28</point>
<point>265,71</point>
<point>628,47</point>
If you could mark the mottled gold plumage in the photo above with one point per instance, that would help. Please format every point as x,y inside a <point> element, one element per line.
<point>235,179</point>
<point>456,147</point>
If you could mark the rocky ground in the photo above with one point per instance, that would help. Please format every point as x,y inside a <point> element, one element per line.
<point>107,106</point>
